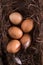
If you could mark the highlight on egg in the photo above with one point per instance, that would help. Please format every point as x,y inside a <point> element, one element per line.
<point>13,46</point>
<point>15,32</point>
<point>15,18</point>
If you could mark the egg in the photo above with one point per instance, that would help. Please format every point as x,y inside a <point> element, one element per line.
<point>27,25</point>
<point>13,46</point>
<point>15,32</point>
<point>15,18</point>
<point>26,40</point>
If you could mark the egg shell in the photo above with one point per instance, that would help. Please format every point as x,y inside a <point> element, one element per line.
<point>27,25</point>
<point>15,32</point>
<point>15,18</point>
<point>13,46</point>
<point>26,40</point>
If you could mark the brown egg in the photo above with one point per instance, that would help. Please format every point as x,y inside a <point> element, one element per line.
<point>26,40</point>
<point>15,18</point>
<point>15,32</point>
<point>13,46</point>
<point>27,25</point>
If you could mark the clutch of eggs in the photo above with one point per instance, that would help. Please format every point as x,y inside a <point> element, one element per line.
<point>17,33</point>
